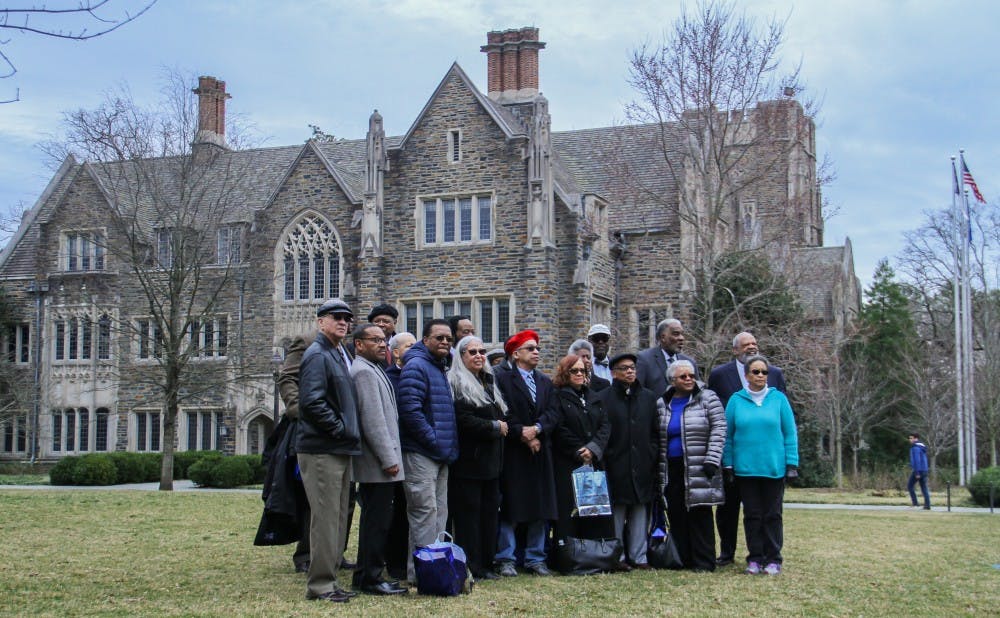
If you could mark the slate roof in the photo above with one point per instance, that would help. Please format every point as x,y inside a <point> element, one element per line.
<point>625,166</point>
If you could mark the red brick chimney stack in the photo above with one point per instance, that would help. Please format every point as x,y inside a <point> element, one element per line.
<point>211,110</point>
<point>512,64</point>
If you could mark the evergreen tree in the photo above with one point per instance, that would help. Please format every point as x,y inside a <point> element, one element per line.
<point>889,341</point>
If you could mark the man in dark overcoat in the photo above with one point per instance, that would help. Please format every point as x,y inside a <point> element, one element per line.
<point>526,483</point>
<point>630,458</point>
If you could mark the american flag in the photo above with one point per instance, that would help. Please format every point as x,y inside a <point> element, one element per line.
<point>968,180</point>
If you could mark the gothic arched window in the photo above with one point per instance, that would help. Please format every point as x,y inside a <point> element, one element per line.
<point>311,260</point>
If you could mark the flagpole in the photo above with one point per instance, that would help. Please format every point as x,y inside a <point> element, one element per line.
<point>970,400</point>
<point>970,396</point>
<point>956,289</point>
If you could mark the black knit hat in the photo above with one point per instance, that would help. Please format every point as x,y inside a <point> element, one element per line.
<point>383,309</point>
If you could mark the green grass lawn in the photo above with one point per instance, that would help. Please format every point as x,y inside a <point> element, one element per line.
<point>72,553</point>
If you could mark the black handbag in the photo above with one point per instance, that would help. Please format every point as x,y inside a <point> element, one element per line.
<point>573,556</point>
<point>661,552</point>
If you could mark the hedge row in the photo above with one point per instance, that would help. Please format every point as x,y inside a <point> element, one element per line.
<point>232,471</point>
<point>119,467</point>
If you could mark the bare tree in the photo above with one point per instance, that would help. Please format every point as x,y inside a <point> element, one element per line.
<point>727,130</point>
<point>174,232</point>
<point>76,21</point>
<point>927,263</point>
<point>931,382</point>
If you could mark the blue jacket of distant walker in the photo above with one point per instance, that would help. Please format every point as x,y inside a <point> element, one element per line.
<point>426,409</point>
<point>918,458</point>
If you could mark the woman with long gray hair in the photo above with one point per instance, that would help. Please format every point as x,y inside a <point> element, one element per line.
<point>474,478</point>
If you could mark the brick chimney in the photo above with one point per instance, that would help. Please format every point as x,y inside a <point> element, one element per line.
<point>211,111</point>
<point>512,64</point>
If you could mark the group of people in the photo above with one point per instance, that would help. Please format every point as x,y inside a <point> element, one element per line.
<point>443,434</point>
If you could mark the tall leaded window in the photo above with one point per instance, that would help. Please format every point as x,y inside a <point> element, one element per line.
<point>455,219</point>
<point>164,248</point>
<point>202,429</point>
<point>150,339</point>
<point>228,245</point>
<point>311,260</point>
<point>209,338</point>
<point>74,430</point>
<point>18,343</point>
<point>83,250</point>
<point>147,431</point>
<point>76,336</point>
<point>491,315</point>
<point>14,432</point>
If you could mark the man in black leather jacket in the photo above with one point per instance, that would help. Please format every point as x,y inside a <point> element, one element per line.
<point>328,436</point>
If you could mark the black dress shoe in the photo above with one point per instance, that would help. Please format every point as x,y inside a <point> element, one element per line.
<point>723,561</point>
<point>350,594</point>
<point>383,588</point>
<point>337,596</point>
<point>302,567</point>
<point>347,564</point>
<point>486,575</point>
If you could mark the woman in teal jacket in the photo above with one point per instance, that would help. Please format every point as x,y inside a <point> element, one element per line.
<point>762,449</point>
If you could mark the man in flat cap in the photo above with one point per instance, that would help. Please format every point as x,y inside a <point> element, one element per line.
<point>526,481</point>
<point>329,434</point>
<point>384,316</point>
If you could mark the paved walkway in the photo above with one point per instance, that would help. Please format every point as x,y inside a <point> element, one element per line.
<point>185,485</point>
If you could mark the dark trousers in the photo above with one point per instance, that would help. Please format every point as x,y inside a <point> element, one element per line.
<point>376,519</point>
<point>727,520</point>
<point>923,489</point>
<point>692,529</point>
<point>398,539</point>
<point>301,556</point>
<point>474,506</point>
<point>762,498</point>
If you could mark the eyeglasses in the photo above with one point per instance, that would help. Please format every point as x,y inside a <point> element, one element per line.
<point>759,372</point>
<point>340,317</point>
<point>375,340</point>
<point>578,371</point>
<point>530,348</point>
<point>625,368</point>
<point>685,376</point>
<point>475,352</point>
<point>442,338</point>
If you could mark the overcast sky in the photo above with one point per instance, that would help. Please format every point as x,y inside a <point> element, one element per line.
<point>904,84</point>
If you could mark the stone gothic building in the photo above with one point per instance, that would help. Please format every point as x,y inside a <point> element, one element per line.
<point>478,209</point>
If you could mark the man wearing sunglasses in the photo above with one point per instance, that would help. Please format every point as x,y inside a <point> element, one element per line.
<point>725,380</point>
<point>379,468</point>
<point>328,436</point>
<point>428,435</point>
<point>526,484</point>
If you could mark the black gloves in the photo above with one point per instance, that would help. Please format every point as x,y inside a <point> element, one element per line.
<point>791,472</point>
<point>728,476</point>
<point>710,470</point>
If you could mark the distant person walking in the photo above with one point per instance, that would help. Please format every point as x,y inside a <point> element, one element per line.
<point>918,463</point>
